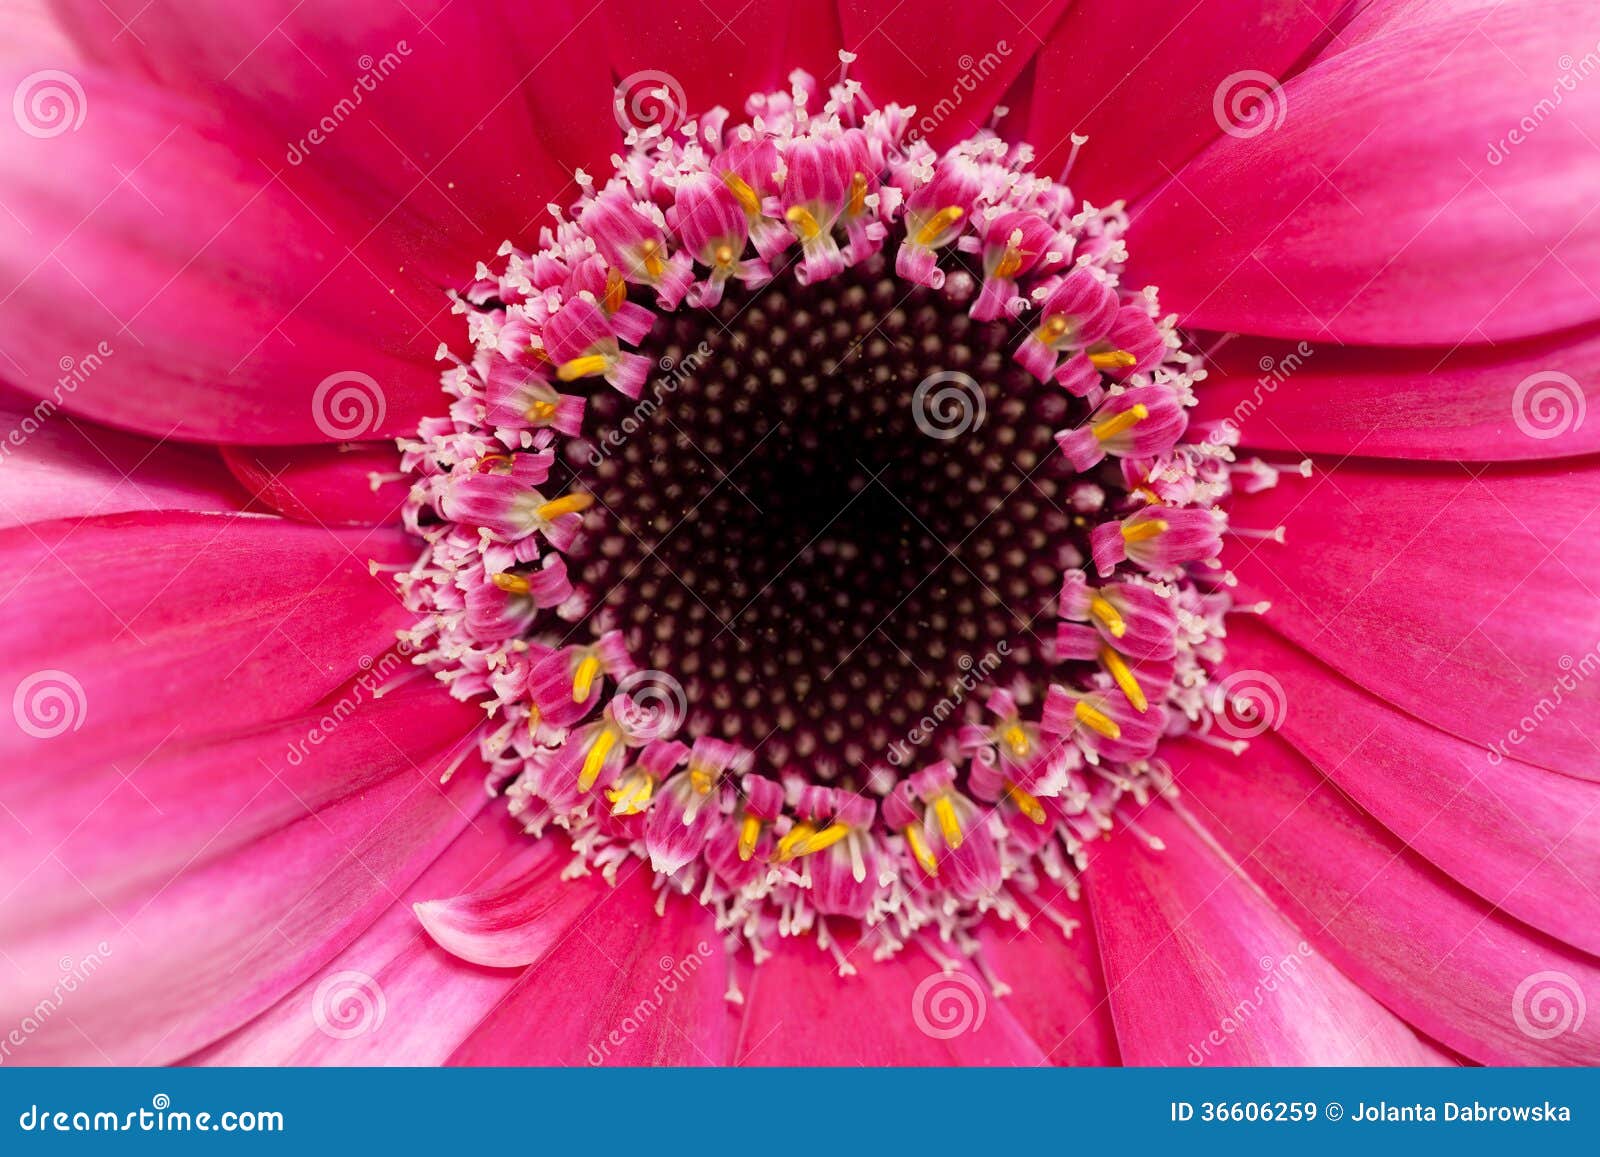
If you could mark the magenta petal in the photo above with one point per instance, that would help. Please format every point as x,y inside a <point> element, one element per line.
<point>323,484</point>
<point>1458,595</point>
<point>1203,971</point>
<point>1377,211</point>
<point>908,56</point>
<point>152,629</point>
<point>1144,92</point>
<point>1463,972</point>
<point>212,880</point>
<point>1521,837</point>
<point>1058,991</point>
<point>58,467</point>
<point>618,986</point>
<point>429,999</point>
<point>1478,403</point>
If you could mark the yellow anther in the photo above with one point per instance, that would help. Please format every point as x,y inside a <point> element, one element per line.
<point>650,257</point>
<point>540,412</point>
<point>1119,671</point>
<point>1120,423</point>
<point>939,223</point>
<point>583,678</point>
<point>512,584</point>
<point>725,255</point>
<point>826,838</point>
<point>945,812</point>
<point>1053,329</point>
<point>534,716</point>
<point>596,759</point>
<point>1016,739</point>
<point>585,367</point>
<point>797,835</point>
<point>1010,264</point>
<point>701,778</point>
<point>858,195</point>
<point>1096,720</point>
<point>1143,531</point>
<point>1112,360</point>
<point>632,795</point>
<point>804,223</point>
<point>1026,804</point>
<point>574,503</point>
<point>1100,608</point>
<point>919,849</point>
<point>616,290</point>
<point>749,833</point>
<point>742,193</point>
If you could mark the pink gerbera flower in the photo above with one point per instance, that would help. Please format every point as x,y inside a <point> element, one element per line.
<point>943,538</point>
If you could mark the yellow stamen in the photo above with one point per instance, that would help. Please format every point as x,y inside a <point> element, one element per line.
<point>945,812</point>
<point>632,795</point>
<point>650,255</point>
<point>1016,739</point>
<point>725,255</point>
<point>826,838</point>
<point>1143,531</point>
<point>585,367</point>
<point>749,833</point>
<point>1096,720</point>
<point>1119,423</point>
<point>1009,264</point>
<point>920,849</point>
<point>804,223</point>
<point>512,584</point>
<point>1053,329</point>
<point>1119,670</point>
<point>540,412</point>
<point>574,503</point>
<point>702,778</point>
<point>1100,607</point>
<point>616,290</point>
<point>1112,360</point>
<point>534,716</point>
<point>583,678</point>
<point>858,195</point>
<point>596,759</point>
<point>742,193</point>
<point>938,224</point>
<point>1026,804</point>
<point>798,835</point>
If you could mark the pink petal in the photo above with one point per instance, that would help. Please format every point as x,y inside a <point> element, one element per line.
<point>59,467</point>
<point>211,881</point>
<point>430,999</point>
<point>1522,838</point>
<point>1201,970</point>
<point>152,629</point>
<point>323,484</point>
<point>1481,403</point>
<point>1462,596</point>
<point>1058,992</point>
<point>1143,91</point>
<point>1376,211</point>
<point>619,986</point>
<point>909,56</point>
<point>1464,973</point>
<point>139,238</point>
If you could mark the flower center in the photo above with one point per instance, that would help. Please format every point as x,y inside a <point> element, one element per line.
<point>821,557</point>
